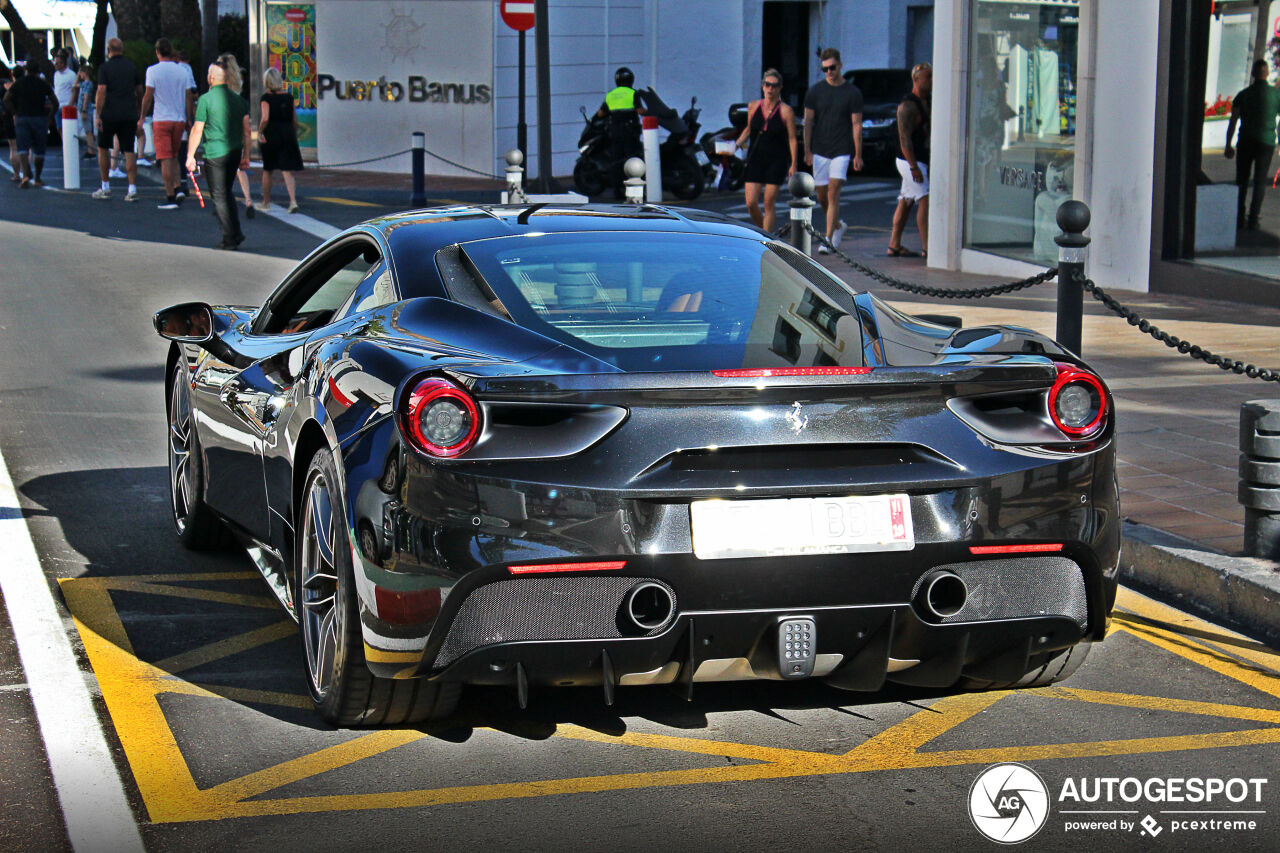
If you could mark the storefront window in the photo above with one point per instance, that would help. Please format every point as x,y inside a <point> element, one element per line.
<point>1021,125</point>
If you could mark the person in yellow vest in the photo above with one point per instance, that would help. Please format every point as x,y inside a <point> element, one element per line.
<point>623,108</point>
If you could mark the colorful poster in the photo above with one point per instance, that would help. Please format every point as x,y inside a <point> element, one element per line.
<point>291,49</point>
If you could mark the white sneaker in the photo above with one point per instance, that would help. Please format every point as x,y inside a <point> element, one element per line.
<point>823,250</point>
<point>143,161</point>
<point>838,235</point>
<point>101,194</point>
<point>131,197</point>
<point>116,173</point>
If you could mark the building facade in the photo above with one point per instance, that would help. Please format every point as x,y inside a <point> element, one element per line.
<point>368,73</point>
<point>1121,105</point>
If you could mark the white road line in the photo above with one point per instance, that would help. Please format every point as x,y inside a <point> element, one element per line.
<point>94,805</point>
<point>314,227</point>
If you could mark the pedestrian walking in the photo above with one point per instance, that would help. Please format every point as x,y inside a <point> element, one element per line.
<point>771,157</point>
<point>222,122</point>
<point>1256,108</point>
<point>832,138</point>
<point>913,161</point>
<point>64,86</point>
<point>31,101</point>
<point>7,130</point>
<point>235,83</point>
<point>116,105</point>
<point>174,107</point>
<point>85,111</point>
<point>278,137</point>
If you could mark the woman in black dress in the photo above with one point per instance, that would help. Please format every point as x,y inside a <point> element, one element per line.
<point>771,158</point>
<point>278,137</point>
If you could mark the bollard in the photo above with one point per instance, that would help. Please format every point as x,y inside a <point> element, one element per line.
<point>515,177</point>
<point>1259,491</point>
<point>70,150</point>
<point>652,158</point>
<point>1073,219</point>
<point>634,170</point>
<point>419,197</point>
<point>801,186</point>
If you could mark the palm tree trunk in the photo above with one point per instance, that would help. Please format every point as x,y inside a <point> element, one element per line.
<point>24,43</point>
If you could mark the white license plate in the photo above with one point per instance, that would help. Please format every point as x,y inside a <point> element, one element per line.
<point>788,526</point>
<point>701,157</point>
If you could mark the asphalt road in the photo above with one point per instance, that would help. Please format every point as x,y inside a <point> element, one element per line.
<point>196,675</point>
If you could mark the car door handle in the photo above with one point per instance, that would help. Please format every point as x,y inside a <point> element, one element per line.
<point>357,329</point>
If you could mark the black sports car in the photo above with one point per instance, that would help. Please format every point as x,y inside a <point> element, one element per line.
<point>620,445</point>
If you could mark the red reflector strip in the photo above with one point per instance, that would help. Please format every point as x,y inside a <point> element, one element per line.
<point>606,566</point>
<point>343,400</point>
<point>791,371</point>
<point>1014,549</point>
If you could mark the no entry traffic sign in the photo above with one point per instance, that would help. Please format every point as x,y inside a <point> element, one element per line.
<point>517,14</point>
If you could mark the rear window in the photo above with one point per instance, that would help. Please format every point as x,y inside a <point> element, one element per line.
<point>665,301</point>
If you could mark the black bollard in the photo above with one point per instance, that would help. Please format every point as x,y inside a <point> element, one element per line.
<point>1073,219</point>
<point>801,204</point>
<point>419,197</point>
<point>1259,490</point>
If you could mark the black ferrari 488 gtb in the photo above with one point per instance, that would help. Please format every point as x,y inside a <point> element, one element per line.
<point>632,445</point>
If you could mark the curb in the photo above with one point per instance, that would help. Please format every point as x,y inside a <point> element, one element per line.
<point>1240,592</point>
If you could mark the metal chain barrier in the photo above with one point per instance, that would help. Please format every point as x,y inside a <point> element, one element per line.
<point>942,292</point>
<point>1174,342</point>
<point>397,154</point>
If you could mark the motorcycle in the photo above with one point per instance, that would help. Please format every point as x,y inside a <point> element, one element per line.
<point>722,167</point>
<point>598,166</point>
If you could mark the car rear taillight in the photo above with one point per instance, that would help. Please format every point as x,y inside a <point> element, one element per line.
<point>1077,402</point>
<point>440,418</point>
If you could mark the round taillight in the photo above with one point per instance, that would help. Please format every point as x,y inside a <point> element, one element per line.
<point>441,419</point>
<point>1077,402</point>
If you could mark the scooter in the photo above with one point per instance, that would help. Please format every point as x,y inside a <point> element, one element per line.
<point>682,174</point>
<point>722,167</point>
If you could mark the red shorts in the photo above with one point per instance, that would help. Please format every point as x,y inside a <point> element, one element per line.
<point>167,136</point>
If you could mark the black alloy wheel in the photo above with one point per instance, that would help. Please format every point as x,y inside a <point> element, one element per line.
<point>198,528</point>
<point>345,692</point>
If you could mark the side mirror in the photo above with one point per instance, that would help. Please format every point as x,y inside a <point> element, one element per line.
<point>188,323</point>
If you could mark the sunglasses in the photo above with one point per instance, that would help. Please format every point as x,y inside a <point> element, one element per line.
<point>829,68</point>
<point>770,85</point>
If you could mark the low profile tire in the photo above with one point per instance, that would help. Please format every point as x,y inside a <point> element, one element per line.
<point>345,692</point>
<point>1045,669</point>
<point>198,528</point>
<point>587,179</point>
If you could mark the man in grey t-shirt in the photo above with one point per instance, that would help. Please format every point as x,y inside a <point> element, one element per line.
<point>832,134</point>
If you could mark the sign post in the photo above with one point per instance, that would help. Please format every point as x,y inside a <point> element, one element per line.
<point>518,14</point>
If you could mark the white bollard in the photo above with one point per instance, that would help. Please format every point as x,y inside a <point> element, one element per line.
<point>515,178</point>
<point>70,150</point>
<point>652,159</point>
<point>634,183</point>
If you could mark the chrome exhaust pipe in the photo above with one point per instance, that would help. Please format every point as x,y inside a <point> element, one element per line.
<point>941,594</point>
<point>649,606</point>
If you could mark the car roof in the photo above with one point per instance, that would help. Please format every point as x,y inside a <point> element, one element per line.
<point>461,223</point>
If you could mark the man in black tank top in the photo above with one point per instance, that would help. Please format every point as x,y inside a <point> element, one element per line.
<point>913,160</point>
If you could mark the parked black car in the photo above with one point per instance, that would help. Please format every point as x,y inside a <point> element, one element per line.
<point>628,445</point>
<point>882,91</point>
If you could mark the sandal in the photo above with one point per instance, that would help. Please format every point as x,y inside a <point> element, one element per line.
<point>902,252</point>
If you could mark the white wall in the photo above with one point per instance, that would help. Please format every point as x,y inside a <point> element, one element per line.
<point>589,40</point>
<point>447,41</point>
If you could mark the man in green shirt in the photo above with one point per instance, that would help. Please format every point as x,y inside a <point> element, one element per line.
<point>1256,108</point>
<point>222,121</point>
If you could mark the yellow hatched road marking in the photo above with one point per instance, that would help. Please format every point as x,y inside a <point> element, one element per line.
<point>132,688</point>
<point>348,202</point>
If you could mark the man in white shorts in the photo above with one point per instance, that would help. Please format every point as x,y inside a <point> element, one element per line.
<point>832,138</point>
<point>913,162</point>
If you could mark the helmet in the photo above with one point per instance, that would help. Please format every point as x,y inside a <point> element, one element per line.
<point>624,77</point>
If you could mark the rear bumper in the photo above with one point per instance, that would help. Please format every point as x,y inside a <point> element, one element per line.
<point>450,545</point>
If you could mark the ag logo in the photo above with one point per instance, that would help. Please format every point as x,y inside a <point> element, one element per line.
<point>1008,803</point>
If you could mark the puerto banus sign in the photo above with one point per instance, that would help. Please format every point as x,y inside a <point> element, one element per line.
<point>416,89</point>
